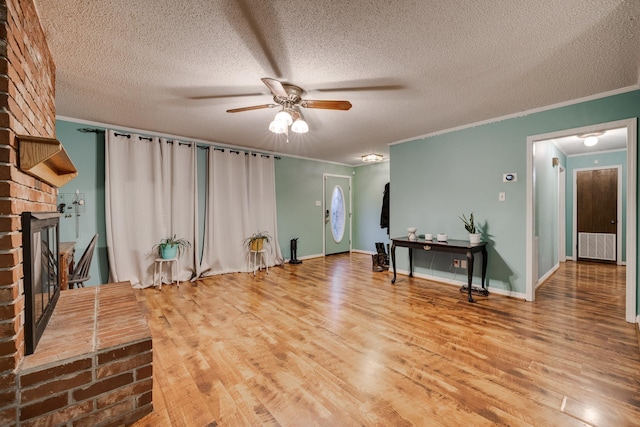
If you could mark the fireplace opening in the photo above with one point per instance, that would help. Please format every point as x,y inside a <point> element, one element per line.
<point>41,248</point>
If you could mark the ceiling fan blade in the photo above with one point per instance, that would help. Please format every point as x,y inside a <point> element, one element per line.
<point>275,87</point>
<point>254,107</point>
<point>327,105</point>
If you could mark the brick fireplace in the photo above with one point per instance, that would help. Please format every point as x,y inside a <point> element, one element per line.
<point>93,365</point>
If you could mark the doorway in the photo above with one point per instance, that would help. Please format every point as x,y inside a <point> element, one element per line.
<point>631,234</point>
<point>597,214</point>
<point>337,214</point>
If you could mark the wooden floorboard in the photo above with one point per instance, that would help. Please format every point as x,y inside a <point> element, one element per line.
<point>330,343</point>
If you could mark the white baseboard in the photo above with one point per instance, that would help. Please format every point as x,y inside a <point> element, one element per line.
<point>360,251</point>
<point>547,275</point>
<point>444,280</point>
<point>286,260</point>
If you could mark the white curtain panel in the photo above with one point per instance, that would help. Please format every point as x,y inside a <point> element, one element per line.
<point>180,199</point>
<point>147,180</point>
<point>227,213</point>
<point>262,202</point>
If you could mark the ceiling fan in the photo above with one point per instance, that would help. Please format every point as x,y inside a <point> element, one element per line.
<point>289,96</point>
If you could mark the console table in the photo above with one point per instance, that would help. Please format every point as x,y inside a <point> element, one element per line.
<point>452,246</point>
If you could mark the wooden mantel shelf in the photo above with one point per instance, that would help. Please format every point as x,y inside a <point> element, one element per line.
<point>46,159</point>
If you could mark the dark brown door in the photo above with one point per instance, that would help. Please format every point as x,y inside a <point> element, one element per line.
<point>597,201</point>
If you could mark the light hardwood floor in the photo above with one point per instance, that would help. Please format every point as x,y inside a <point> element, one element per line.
<point>331,343</point>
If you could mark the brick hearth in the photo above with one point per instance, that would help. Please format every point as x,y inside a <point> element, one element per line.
<point>93,363</point>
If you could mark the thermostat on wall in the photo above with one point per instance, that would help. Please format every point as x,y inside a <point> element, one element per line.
<point>510,177</point>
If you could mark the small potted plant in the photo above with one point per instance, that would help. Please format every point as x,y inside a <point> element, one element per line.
<point>256,241</point>
<point>170,247</point>
<point>474,236</point>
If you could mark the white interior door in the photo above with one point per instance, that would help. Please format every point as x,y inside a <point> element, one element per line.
<point>337,214</point>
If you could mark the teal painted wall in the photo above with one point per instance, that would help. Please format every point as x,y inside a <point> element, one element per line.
<point>435,179</point>
<point>368,184</point>
<point>86,151</point>
<point>613,158</point>
<point>298,187</point>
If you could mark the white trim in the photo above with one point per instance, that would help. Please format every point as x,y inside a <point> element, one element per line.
<point>530,253</point>
<point>286,261</point>
<point>387,160</point>
<point>632,173</point>
<point>524,113</point>
<point>456,283</point>
<point>360,251</point>
<point>591,154</point>
<point>547,275</point>
<point>619,197</point>
<point>632,143</point>
<point>562,214</point>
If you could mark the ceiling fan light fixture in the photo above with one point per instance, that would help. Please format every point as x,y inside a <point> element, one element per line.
<point>284,117</point>
<point>278,126</point>
<point>372,158</point>
<point>300,126</point>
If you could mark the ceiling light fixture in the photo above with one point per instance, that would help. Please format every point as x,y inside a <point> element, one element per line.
<point>590,139</point>
<point>288,117</point>
<point>370,158</point>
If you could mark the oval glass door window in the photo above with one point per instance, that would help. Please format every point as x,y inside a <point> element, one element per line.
<point>338,214</point>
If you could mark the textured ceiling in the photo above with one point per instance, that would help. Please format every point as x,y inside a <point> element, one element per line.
<point>409,68</point>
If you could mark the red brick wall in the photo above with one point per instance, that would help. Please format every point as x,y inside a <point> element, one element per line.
<point>27,92</point>
<point>104,385</point>
<point>27,85</point>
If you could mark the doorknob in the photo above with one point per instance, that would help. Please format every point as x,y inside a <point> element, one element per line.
<point>613,221</point>
<point>326,216</point>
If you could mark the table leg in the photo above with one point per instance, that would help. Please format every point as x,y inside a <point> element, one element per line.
<point>410,262</point>
<point>469,274</point>
<point>393,261</point>
<point>484,265</point>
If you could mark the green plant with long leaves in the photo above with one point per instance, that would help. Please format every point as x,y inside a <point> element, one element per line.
<point>468,223</point>
<point>182,244</point>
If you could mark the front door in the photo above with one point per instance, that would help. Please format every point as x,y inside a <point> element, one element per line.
<point>597,213</point>
<point>337,217</point>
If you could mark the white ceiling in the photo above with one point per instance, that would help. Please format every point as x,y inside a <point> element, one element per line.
<point>409,68</point>
<point>610,140</point>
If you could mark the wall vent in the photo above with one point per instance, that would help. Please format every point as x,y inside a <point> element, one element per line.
<point>600,246</point>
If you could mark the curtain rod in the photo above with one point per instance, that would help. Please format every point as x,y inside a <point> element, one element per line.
<point>200,146</point>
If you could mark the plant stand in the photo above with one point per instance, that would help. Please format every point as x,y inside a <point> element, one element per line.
<point>158,268</point>
<point>253,257</point>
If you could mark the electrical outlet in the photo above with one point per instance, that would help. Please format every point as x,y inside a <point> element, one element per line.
<point>463,263</point>
<point>456,263</point>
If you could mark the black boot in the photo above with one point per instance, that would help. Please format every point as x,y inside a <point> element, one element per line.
<point>376,264</point>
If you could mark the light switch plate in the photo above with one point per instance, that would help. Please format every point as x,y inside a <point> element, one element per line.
<point>318,203</point>
<point>502,196</point>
